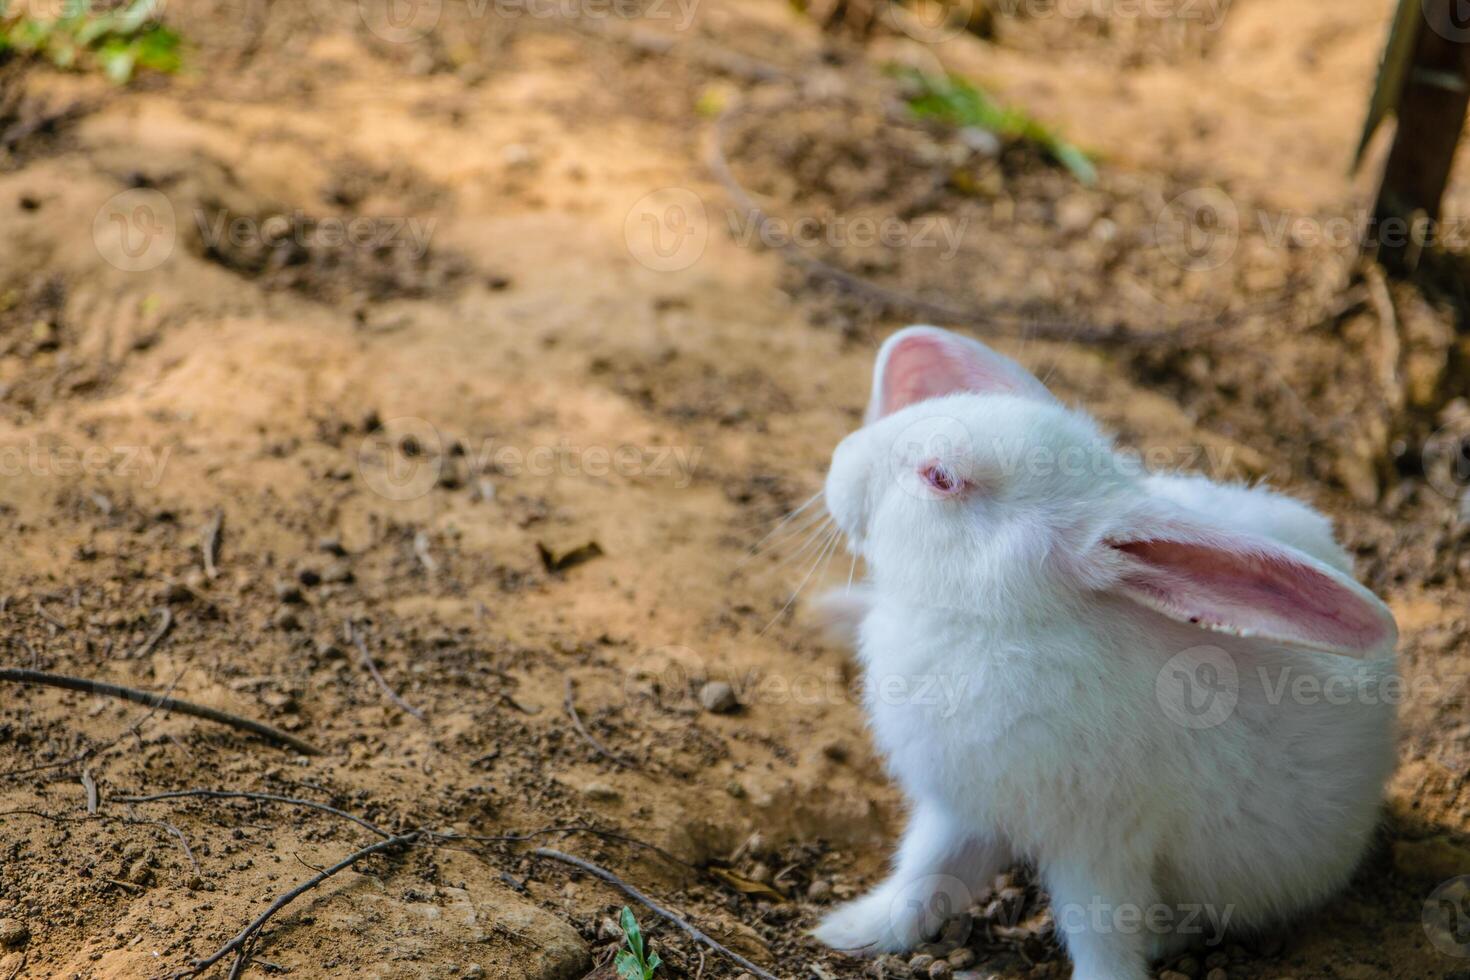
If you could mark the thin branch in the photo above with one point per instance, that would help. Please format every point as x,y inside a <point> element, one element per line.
<point>246,934</point>
<point>168,704</point>
<point>44,614</point>
<point>367,660</point>
<point>99,749</point>
<point>209,543</point>
<point>165,622</point>
<point>694,932</point>
<point>570,703</point>
<point>214,794</point>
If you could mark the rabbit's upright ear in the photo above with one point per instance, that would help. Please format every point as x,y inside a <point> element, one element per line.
<point>1245,585</point>
<point>919,363</point>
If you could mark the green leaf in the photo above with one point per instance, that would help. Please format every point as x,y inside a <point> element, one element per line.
<point>956,101</point>
<point>117,62</point>
<point>631,932</point>
<point>628,966</point>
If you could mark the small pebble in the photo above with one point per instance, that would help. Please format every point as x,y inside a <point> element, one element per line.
<point>1173,975</point>
<point>601,792</point>
<point>14,934</point>
<point>940,970</point>
<point>289,593</point>
<point>286,619</point>
<point>718,697</point>
<point>1218,973</point>
<point>819,890</point>
<point>921,962</point>
<point>337,573</point>
<point>962,958</point>
<point>1217,959</point>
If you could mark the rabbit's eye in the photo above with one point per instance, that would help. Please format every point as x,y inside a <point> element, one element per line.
<point>941,480</point>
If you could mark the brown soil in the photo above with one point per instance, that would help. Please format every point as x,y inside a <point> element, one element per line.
<point>408,439</point>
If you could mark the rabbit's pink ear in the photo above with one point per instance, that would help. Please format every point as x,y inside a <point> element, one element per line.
<point>1250,586</point>
<point>919,363</point>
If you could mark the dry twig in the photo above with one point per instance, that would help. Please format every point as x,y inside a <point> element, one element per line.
<point>356,639</point>
<point>570,703</point>
<point>214,794</point>
<point>245,935</point>
<point>159,702</point>
<point>165,622</point>
<point>694,932</point>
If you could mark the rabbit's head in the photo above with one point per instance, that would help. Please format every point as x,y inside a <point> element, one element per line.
<point>972,488</point>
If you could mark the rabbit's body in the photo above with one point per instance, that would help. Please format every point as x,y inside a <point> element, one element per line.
<point>1238,824</point>
<point>1141,686</point>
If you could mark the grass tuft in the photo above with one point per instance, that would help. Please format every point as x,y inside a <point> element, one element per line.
<point>955,100</point>
<point>117,42</point>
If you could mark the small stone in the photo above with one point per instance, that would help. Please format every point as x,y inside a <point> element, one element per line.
<point>289,593</point>
<point>1436,858</point>
<point>718,698</point>
<point>338,573</point>
<point>1218,973</point>
<point>836,751</point>
<point>1189,966</point>
<point>1173,975</point>
<point>940,970</point>
<point>1075,214</point>
<point>601,792</point>
<point>286,619</point>
<point>14,934</point>
<point>981,141</point>
<point>921,963</point>
<point>177,593</point>
<point>474,971</point>
<point>962,958</point>
<point>1217,960</point>
<point>819,890</point>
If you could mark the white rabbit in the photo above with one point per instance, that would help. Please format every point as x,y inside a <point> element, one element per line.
<point>1167,695</point>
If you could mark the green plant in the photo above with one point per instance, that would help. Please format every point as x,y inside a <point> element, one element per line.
<point>952,99</point>
<point>632,962</point>
<point>118,41</point>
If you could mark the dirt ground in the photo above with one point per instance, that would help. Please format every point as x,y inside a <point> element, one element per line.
<point>378,322</point>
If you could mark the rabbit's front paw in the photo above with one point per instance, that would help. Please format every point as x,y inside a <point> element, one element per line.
<point>871,924</point>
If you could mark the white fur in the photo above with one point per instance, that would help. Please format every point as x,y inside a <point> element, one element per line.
<point>1050,743</point>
